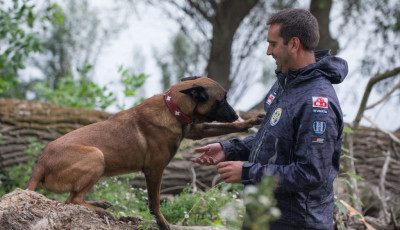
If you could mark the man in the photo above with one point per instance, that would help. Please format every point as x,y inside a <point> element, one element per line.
<point>301,136</point>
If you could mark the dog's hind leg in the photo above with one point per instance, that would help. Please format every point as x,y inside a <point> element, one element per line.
<point>90,171</point>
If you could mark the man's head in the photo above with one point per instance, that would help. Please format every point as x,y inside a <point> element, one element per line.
<point>291,31</point>
<point>297,23</point>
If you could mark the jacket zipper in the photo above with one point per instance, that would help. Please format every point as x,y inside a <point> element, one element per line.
<point>259,143</point>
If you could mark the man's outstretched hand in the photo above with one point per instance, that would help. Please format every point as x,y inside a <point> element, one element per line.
<point>212,154</point>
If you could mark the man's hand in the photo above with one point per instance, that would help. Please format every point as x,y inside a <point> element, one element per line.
<point>212,154</point>
<point>230,171</point>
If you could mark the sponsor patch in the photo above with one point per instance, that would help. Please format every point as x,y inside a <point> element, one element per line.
<point>271,98</point>
<point>318,140</point>
<point>275,117</point>
<point>323,111</point>
<point>320,102</point>
<point>319,127</point>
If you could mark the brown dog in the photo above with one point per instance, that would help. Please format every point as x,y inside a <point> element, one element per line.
<point>143,138</point>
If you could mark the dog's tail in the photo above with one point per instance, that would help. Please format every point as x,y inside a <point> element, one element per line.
<point>36,177</point>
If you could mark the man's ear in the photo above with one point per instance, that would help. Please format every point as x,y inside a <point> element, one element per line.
<point>197,92</point>
<point>295,43</point>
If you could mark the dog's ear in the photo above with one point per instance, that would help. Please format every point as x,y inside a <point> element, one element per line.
<point>190,78</point>
<point>197,92</point>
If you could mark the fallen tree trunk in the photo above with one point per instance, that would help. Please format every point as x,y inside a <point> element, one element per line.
<point>21,119</point>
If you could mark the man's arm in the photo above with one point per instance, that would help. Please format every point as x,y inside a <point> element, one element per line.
<point>238,150</point>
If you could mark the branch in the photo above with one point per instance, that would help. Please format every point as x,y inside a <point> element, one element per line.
<point>201,11</point>
<point>371,83</point>
<point>382,190</point>
<point>193,179</point>
<point>384,97</point>
<point>391,135</point>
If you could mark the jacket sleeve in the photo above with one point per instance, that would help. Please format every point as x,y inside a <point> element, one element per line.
<point>238,150</point>
<point>316,155</point>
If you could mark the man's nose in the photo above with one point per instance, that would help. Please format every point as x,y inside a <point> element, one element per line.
<point>269,51</point>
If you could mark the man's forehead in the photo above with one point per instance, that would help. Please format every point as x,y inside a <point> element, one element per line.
<point>274,28</point>
<point>273,33</point>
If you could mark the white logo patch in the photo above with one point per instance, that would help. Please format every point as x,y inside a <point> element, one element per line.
<point>275,117</point>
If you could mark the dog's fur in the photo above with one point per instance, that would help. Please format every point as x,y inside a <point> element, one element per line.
<point>143,138</point>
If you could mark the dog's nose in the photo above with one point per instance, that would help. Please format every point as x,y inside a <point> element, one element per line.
<point>233,117</point>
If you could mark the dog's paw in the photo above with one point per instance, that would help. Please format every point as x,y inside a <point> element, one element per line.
<point>261,116</point>
<point>101,204</point>
<point>164,227</point>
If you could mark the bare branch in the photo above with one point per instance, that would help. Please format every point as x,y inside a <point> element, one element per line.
<point>200,10</point>
<point>384,97</point>
<point>371,83</point>
<point>193,179</point>
<point>382,190</point>
<point>391,135</point>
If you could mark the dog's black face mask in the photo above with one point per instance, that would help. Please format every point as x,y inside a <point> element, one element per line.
<point>221,111</point>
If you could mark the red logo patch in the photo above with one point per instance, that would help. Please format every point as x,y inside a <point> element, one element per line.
<point>320,102</point>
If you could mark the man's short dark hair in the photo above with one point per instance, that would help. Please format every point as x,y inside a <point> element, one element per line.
<point>297,23</point>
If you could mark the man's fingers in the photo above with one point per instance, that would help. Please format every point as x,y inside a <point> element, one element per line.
<point>223,164</point>
<point>204,160</point>
<point>201,149</point>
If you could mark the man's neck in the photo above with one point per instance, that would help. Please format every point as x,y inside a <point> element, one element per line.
<point>303,59</point>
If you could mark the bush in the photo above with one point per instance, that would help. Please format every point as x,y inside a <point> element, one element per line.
<point>80,93</point>
<point>17,176</point>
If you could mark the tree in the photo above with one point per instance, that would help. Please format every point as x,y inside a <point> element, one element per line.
<point>19,23</point>
<point>76,41</point>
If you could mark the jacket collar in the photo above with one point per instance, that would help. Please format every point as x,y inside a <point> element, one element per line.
<point>292,74</point>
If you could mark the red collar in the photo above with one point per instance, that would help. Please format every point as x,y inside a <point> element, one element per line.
<point>175,109</point>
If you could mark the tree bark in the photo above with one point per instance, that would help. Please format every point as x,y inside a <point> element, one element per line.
<point>21,119</point>
<point>321,10</point>
<point>226,20</point>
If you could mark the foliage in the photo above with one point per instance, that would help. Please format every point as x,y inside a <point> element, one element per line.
<point>261,205</point>
<point>18,41</point>
<point>204,208</point>
<point>77,40</point>
<point>80,93</point>
<point>17,176</point>
<point>181,60</point>
<point>131,82</point>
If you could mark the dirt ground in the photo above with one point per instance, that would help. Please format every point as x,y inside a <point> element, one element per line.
<point>22,210</point>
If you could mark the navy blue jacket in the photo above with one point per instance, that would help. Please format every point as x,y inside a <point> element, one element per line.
<point>299,141</point>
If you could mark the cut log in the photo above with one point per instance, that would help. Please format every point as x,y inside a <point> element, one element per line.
<point>21,119</point>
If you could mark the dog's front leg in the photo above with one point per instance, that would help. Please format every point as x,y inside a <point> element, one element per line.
<point>153,181</point>
<point>203,130</point>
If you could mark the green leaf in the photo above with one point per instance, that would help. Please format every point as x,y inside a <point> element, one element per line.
<point>349,157</point>
<point>358,201</point>
<point>30,19</point>
<point>357,177</point>
<point>347,129</point>
<point>341,207</point>
<point>347,182</point>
